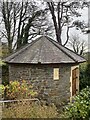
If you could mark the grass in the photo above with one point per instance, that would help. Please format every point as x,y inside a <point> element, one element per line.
<point>29,110</point>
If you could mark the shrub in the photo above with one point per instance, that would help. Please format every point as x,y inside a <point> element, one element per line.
<point>5,74</point>
<point>80,108</point>
<point>84,75</point>
<point>2,88</point>
<point>30,110</point>
<point>19,90</point>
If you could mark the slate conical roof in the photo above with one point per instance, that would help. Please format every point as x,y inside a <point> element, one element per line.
<point>44,50</point>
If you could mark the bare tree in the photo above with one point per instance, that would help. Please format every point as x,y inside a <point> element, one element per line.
<point>21,22</point>
<point>62,13</point>
<point>43,25</point>
<point>14,17</point>
<point>78,45</point>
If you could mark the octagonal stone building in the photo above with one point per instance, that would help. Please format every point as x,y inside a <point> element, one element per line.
<point>52,69</point>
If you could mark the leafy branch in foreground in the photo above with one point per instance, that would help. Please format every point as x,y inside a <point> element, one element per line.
<point>80,107</point>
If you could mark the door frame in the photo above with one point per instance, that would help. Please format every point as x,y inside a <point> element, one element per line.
<point>77,81</point>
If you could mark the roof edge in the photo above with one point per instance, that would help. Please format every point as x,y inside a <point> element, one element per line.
<point>20,50</point>
<point>50,39</point>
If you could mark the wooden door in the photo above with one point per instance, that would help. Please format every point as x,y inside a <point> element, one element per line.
<point>74,80</point>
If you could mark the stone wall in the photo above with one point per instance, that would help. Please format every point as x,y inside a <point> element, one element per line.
<point>41,76</point>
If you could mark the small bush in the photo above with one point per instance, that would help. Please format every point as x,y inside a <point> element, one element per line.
<point>80,108</point>
<point>84,75</point>
<point>5,74</point>
<point>2,88</point>
<point>30,110</point>
<point>19,90</point>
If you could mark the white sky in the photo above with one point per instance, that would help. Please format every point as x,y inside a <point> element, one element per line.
<point>73,31</point>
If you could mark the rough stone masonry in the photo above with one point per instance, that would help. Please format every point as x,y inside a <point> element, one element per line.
<point>41,77</point>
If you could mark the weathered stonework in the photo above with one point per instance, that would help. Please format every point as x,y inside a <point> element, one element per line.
<point>41,76</point>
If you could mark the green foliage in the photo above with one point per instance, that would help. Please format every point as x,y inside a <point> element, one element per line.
<point>19,90</point>
<point>5,74</point>
<point>2,88</point>
<point>84,75</point>
<point>80,107</point>
<point>29,110</point>
<point>2,63</point>
<point>4,50</point>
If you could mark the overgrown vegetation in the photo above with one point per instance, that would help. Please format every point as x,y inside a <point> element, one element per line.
<point>30,110</point>
<point>80,107</point>
<point>19,90</point>
<point>2,88</point>
<point>5,74</point>
<point>84,75</point>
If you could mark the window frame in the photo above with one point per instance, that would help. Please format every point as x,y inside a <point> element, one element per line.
<point>56,73</point>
